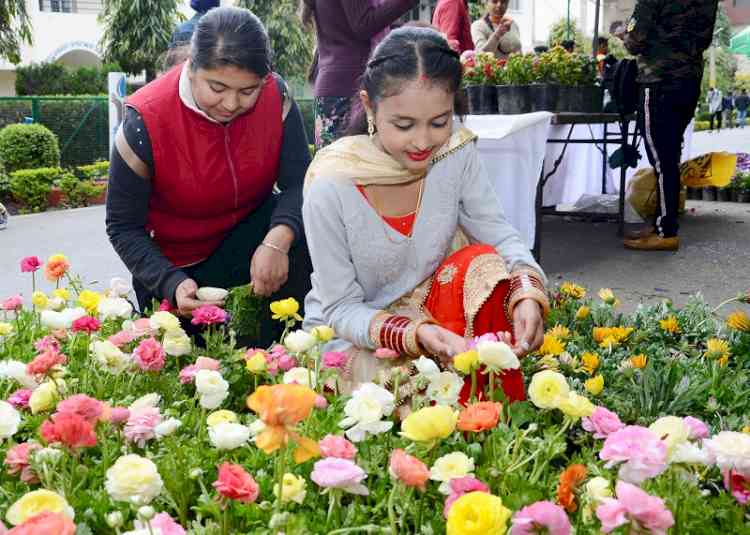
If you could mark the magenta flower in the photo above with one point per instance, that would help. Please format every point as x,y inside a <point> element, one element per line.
<point>287,362</point>
<point>337,446</point>
<point>334,473</point>
<point>48,342</point>
<point>30,264</point>
<point>335,360</point>
<point>141,425</point>
<point>602,423</point>
<point>644,455</point>
<point>541,517</point>
<point>738,485</point>
<point>209,315</point>
<point>150,355</point>
<point>14,302</point>
<point>86,324</point>
<point>698,429</point>
<point>637,508</point>
<point>460,486</point>
<point>20,398</point>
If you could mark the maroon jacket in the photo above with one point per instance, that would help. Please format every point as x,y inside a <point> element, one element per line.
<point>452,18</point>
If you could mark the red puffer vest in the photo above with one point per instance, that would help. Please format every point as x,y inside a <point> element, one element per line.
<point>207,177</point>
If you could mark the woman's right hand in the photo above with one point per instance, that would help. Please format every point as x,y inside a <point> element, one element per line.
<point>186,299</point>
<point>440,342</point>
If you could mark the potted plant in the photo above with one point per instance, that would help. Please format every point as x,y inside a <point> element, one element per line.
<point>724,194</point>
<point>480,80</point>
<point>743,187</point>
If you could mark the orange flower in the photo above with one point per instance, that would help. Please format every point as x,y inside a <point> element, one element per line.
<point>281,407</point>
<point>57,266</point>
<point>480,416</point>
<point>569,481</point>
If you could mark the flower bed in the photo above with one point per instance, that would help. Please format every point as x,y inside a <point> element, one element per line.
<point>113,423</point>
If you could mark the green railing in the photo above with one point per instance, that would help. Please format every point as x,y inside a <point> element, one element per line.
<point>80,123</point>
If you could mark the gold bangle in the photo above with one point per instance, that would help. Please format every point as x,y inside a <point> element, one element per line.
<point>275,247</point>
<point>413,348</point>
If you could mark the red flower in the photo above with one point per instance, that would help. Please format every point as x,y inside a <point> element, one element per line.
<point>236,484</point>
<point>70,429</point>
<point>86,324</point>
<point>45,361</point>
<point>30,264</point>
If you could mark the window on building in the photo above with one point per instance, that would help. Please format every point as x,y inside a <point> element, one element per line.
<point>56,6</point>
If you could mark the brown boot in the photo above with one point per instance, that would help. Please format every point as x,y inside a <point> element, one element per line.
<point>653,242</point>
<point>642,232</point>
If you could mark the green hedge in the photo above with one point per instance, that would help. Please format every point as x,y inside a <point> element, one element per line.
<point>57,79</point>
<point>95,171</point>
<point>26,146</point>
<point>32,186</point>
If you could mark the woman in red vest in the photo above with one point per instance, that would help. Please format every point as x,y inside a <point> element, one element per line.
<point>206,173</point>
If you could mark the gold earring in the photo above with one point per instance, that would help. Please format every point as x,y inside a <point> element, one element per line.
<point>370,127</point>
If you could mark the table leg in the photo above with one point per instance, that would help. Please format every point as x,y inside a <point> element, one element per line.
<point>538,204</point>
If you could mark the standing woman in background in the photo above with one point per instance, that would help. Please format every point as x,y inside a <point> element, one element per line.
<point>344,31</point>
<point>496,32</point>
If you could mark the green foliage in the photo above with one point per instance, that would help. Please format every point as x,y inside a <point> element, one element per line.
<point>78,192</point>
<point>136,33</point>
<point>560,32</point>
<point>15,29</point>
<point>292,43</point>
<point>56,79</point>
<point>244,308</point>
<point>32,186</point>
<point>25,146</point>
<point>95,171</point>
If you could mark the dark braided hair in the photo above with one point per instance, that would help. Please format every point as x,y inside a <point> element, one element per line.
<point>404,55</point>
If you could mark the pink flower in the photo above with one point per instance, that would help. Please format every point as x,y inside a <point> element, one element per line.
<point>162,522</point>
<point>236,484</point>
<point>20,398</point>
<point>643,453</point>
<point>335,359</point>
<point>164,306</point>
<point>207,363</point>
<point>334,473</point>
<point>70,429</point>
<point>119,415</point>
<point>209,315</point>
<point>18,461</point>
<point>321,403</point>
<point>408,469</point>
<point>142,327</point>
<point>141,424</point>
<point>30,264</point>
<point>287,362</point>
<point>45,361</point>
<point>86,324</point>
<point>386,354</point>
<point>150,355</point>
<point>122,338</point>
<point>187,374</point>
<point>460,486</point>
<point>48,342</point>
<point>541,516</point>
<point>337,446</point>
<point>46,523</point>
<point>636,507</point>
<point>602,423</point>
<point>698,429</point>
<point>736,484</point>
<point>14,302</point>
<point>89,408</point>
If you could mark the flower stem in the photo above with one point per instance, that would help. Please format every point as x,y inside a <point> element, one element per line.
<point>391,510</point>
<point>473,385</point>
<point>225,522</point>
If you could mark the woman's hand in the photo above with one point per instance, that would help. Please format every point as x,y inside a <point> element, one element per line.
<point>440,342</point>
<point>528,327</point>
<point>186,300</point>
<point>269,267</point>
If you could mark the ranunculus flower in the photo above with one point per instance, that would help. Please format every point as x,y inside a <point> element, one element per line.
<point>110,357</point>
<point>343,474</point>
<point>133,479</point>
<point>14,302</point>
<point>497,356</point>
<point>299,341</point>
<point>87,407</point>
<point>479,417</point>
<point>634,505</point>
<point>547,389</point>
<point>162,524</point>
<point>166,321</point>
<point>167,427</point>
<point>286,362</point>
<point>408,469</point>
<point>40,300</point>
<point>119,415</point>
<point>602,423</point>
<point>46,523</point>
<point>63,319</point>
<point>45,361</point>
<point>18,461</point>
<point>149,355</point>
<point>57,266</point>
<point>570,478</point>
<point>337,446</point>
<point>20,398</point>
<point>36,502</point>
<point>430,424</point>
<point>90,300</point>
<point>115,308</point>
<point>323,333</point>
<point>731,450</point>
<point>10,419</point>
<point>86,324</point>
<point>299,376</point>
<point>119,287</point>
<point>70,429</point>
<point>478,513</point>
<point>541,516</point>
<point>30,264</point>
<point>672,430</point>
<point>212,387</point>
<point>365,411</point>
<point>451,466</point>
<point>16,371</point>
<point>460,486</point>
<point>335,359</point>
<point>228,436</point>
<point>221,416</point>
<point>738,485</point>
<point>188,373</point>
<point>257,363</point>
<point>285,309</point>
<point>293,488</point>
<point>209,315</point>
<point>236,484</point>
<point>698,429</point>
<point>141,426</point>
<point>644,455</point>
<point>466,362</point>
<point>576,406</point>
<point>444,388</point>
<point>44,397</point>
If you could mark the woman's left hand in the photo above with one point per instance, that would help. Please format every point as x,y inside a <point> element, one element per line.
<point>528,327</point>
<point>269,267</point>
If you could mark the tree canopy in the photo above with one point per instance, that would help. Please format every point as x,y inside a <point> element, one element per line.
<point>15,28</point>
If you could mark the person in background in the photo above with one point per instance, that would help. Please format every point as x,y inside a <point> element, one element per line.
<point>742,102</point>
<point>541,49</point>
<point>605,61</point>
<point>727,107</point>
<point>4,216</point>
<point>496,32</point>
<point>451,18</point>
<point>345,30</point>
<point>179,44</point>
<point>713,100</point>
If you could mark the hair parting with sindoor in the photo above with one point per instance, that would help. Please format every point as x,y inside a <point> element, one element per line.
<point>231,37</point>
<point>406,54</point>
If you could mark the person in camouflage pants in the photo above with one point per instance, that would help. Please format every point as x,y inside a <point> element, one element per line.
<point>669,38</point>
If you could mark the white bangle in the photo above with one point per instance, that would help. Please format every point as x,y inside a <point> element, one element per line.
<point>275,247</point>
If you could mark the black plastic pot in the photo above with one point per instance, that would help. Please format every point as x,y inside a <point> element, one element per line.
<point>693,194</point>
<point>544,97</point>
<point>734,195</point>
<point>743,196</point>
<point>513,99</point>
<point>709,194</point>
<point>723,195</point>
<point>482,99</point>
<point>588,99</point>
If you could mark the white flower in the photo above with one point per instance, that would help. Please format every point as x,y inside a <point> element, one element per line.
<point>445,388</point>
<point>164,320</point>
<point>212,387</point>
<point>257,427</point>
<point>299,341</point>
<point>149,400</point>
<point>61,320</point>
<point>300,376</point>
<point>48,456</point>
<point>731,450</point>
<point>368,405</point>
<point>10,419</point>
<point>689,453</point>
<point>228,436</point>
<point>597,489</point>
<point>133,479</point>
<point>114,308</point>
<point>110,357</point>
<point>56,303</point>
<point>167,427</point>
<point>672,430</point>
<point>451,466</point>
<point>119,287</point>
<point>427,367</point>
<point>16,371</point>
<point>176,343</point>
<point>497,356</point>
<point>208,293</point>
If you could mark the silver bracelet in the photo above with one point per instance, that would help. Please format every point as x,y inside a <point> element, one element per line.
<point>274,247</point>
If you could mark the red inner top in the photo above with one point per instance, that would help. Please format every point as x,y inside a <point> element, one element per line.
<point>402,224</point>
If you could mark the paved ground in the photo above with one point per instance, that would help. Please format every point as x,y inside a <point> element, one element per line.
<point>733,140</point>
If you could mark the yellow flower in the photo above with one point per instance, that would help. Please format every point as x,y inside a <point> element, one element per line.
<point>36,502</point>
<point>670,325</point>
<point>89,300</point>
<point>548,362</point>
<point>561,332</point>
<point>551,346</point>
<point>39,300</point>
<point>323,333</point>
<point>5,328</point>
<point>164,320</point>
<point>739,321</point>
<point>595,385</point>
<point>639,361</point>
<point>717,349</point>
<point>572,290</point>
<point>672,430</point>
<point>451,466</point>
<point>286,309</point>
<point>576,406</point>
<point>583,313</point>
<point>44,397</point>
<point>62,293</point>
<point>608,337</point>
<point>292,488</point>
<point>609,342</point>
<point>608,296</point>
<point>746,429</point>
<point>466,362</point>
<point>256,363</point>
<point>590,362</point>
<point>430,424</point>
<point>478,513</point>
<point>547,388</point>
<point>222,416</point>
